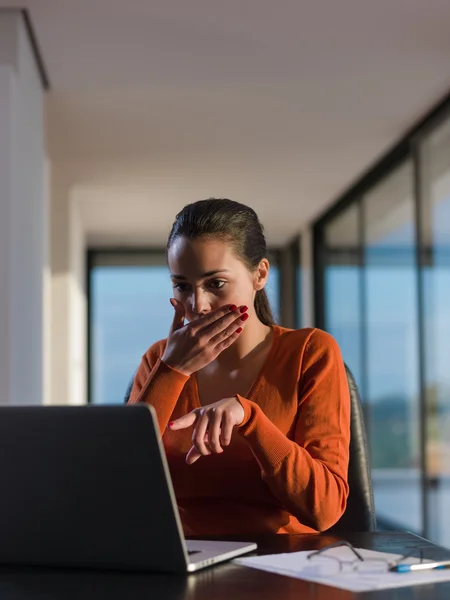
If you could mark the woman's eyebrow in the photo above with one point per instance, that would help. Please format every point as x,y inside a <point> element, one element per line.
<point>207,274</point>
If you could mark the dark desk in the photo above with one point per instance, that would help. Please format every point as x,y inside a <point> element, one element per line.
<point>222,582</point>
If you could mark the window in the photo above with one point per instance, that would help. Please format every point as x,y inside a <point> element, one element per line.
<point>342,287</point>
<point>273,286</point>
<point>382,256</point>
<point>129,310</point>
<point>370,307</point>
<point>392,355</point>
<point>435,209</point>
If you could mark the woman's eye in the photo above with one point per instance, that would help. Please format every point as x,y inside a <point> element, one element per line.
<point>216,284</point>
<point>181,287</point>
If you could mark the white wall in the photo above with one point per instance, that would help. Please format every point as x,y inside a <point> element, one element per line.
<point>77,306</point>
<point>47,292</point>
<point>22,217</point>
<point>6,83</point>
<point>60,276</point>
<point>68,293</point>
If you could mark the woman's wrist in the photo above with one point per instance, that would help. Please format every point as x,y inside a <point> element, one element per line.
<point>174,367</point>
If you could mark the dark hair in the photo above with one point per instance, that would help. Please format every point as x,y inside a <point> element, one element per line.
<point>232,222</point>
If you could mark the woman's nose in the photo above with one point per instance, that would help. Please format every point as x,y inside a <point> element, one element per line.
<point>200,303</point>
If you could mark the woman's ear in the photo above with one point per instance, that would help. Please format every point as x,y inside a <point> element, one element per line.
<point>261,274</point>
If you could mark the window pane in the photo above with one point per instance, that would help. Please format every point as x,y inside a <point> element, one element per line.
<point>436,289</point>
<point>342,287</point>
<point>392,357</point>
<point>130,310</point>
<point>273,290</point>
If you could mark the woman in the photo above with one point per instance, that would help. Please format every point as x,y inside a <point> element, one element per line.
<point>254,417</point>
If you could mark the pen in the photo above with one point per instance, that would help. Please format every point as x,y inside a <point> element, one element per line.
<point>442,564</point>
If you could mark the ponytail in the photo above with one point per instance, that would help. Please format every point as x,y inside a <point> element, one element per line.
<point>262,308</point>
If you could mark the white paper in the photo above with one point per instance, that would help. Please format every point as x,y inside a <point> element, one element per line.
<point>296,564</point>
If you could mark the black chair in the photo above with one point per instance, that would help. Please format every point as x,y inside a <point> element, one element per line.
<point>359,514</point>
<point>129,388</point>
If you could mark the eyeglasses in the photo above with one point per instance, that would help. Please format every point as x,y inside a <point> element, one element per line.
<point>324,562</point>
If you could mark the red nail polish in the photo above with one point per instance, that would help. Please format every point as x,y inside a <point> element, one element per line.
<point>171,423</point>
<point>238,330</point>
<point>243,309</point>
<point>233,307</point>
<point>244,317</point>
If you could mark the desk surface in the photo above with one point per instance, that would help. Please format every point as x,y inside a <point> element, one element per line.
<point>221,582</point>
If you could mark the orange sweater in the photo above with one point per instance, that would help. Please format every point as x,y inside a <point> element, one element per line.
<point>285,470</point>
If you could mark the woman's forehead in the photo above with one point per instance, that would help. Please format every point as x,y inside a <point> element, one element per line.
<point>200,256</point>
<point>199,249</point>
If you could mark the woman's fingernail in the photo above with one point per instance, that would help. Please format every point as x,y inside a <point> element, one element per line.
<point>244,317</point>
<point>238,330</point>
<point>243,309</point>
<point>233,307</point>
<point>171,423</point>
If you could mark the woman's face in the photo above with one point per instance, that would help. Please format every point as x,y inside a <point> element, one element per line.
<point>206,275</point>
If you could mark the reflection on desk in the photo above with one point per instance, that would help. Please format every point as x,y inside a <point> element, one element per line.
<point>221,582</point>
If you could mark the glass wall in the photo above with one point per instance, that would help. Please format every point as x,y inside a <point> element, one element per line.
<point>129,310</point>
<point>273,286</point>
<point>435,223</point>
<point>383,272</point>
<point>391,353</point>
<point>342,286</point>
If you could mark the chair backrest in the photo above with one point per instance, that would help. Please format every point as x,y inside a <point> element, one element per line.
<point>359,514</point>
<point>129,388</point>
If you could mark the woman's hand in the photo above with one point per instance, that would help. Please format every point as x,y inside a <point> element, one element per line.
<point>192,346</point>
<point>214,425</point>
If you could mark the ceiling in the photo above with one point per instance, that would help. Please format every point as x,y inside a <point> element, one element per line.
<point>280,105</point>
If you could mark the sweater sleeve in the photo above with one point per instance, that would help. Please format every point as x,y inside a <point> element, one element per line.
<point>308,474</point>
<point>157,384</point>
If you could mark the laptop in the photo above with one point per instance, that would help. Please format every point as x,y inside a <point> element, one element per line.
<point>89,486</point>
